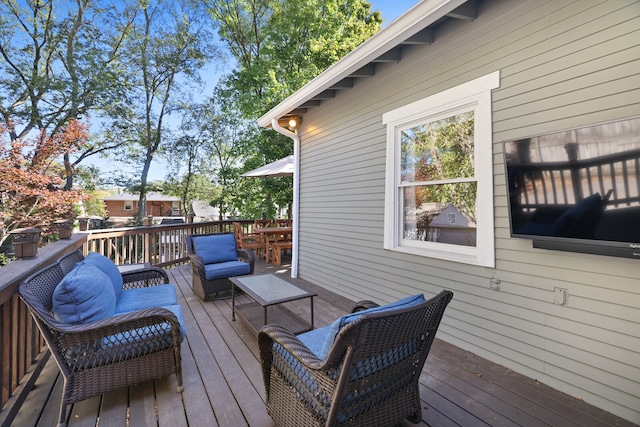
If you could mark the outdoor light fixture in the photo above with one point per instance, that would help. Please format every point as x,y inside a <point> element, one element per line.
<point>292,123</point>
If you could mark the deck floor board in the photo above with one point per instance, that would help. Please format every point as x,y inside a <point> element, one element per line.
<point>223,380</point>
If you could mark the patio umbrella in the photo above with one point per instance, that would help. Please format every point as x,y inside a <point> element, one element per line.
<point>282,167</point>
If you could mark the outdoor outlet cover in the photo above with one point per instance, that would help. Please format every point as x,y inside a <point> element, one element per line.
<point>560,296</point>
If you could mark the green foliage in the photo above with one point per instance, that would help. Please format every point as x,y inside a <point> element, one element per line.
<point>442,151</point>
<point>166,46</point>
<point>279,45</point>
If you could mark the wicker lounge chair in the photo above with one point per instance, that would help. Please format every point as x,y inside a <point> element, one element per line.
<point>214,258</point>
<point>362,370</point>
<point>127,347</point>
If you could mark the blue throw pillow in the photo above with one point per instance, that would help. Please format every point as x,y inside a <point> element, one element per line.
<point>107,266</point>
<point>338,324</point>
<point>216,248</point>
<point>84,295</point>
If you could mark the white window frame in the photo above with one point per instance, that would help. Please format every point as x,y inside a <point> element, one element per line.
<point>475,96</point>
<point>128,205</point>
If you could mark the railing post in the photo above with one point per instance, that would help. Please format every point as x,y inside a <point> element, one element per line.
<point>572,154</point>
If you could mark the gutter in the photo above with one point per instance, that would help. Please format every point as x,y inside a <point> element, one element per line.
<point>296,192</point>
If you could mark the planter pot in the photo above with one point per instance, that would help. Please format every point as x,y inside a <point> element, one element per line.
<point>64,228</point>
<point>84,223</point>
<point>25,242</point>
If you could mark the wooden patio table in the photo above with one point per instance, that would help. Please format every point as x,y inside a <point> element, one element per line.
<point>273,234</point>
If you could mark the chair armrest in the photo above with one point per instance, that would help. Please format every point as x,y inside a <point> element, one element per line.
<point>152,276</point>
<point>197,266</point>
<point>132,334</point>
<point>363,305</point>
<point>270,334</point>
<point>248,256</point>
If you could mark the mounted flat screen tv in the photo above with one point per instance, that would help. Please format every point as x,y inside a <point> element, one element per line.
<point>578,190</point>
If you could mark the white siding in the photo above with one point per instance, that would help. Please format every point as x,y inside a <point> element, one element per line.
<point>563,64</point>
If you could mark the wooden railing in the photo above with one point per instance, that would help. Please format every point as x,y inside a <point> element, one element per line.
<point>568,182</point>
<point>160,245</point>
<point>22,354</point>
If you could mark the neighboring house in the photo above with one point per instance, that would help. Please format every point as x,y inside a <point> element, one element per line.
<point>158,205</point>
<point>523,68</point>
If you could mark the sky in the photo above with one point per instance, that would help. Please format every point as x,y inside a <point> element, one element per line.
<point>391,9</point>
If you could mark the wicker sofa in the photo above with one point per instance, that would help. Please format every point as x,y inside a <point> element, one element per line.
<point>214,258</point>
<point>362,370</point>
<point>105,329</point>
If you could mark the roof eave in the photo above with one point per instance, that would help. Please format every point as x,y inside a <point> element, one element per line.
<point>414,20</point>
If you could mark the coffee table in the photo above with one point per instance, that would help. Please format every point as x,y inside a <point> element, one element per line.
<point>268,292</point>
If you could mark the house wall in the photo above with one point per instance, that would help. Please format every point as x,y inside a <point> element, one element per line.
<point>115,208</point>
<point>563,64</point>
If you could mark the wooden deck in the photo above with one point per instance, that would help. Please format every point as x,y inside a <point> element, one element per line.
<point>223,383</point>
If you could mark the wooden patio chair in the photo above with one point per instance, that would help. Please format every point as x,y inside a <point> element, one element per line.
<point>253,241</point>
<point>362,370</point>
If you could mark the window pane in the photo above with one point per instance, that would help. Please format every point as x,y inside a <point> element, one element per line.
<point>438,150</point>
<point>443,213</point>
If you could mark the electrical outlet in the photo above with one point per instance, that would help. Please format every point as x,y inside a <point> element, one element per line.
<point>560,296</point>
<point>494,284</point>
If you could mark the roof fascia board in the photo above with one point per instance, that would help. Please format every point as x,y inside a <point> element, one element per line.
<point>410,23</point>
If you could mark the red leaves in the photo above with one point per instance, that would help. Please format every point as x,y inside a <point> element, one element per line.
<point>31,194</point>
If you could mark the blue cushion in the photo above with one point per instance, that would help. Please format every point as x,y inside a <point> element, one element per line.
<point>314,340</point>
<point>107,267</point>
<point>141,335</point>
<point>153,296</point>
<point>84,295</point>
<point>216,248</point>
<point>334,328</point>
<point>226,269</point>
<point>177,310</point>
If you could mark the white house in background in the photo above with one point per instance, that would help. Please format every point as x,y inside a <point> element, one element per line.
<point>517,68</point>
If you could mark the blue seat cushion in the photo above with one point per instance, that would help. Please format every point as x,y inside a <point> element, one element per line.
<point>107,267</point>
<point>312,339</point>
<point>152,296</point>
<point>84,295</point>
<point>145,339</point>
<point>216,248</point>
<point>226,269</point>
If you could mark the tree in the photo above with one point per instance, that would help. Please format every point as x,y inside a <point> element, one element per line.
<point>59,61</point>
<point>282,44</point>
<point>279,46</point>
<point>31,183</point>
<point>167,41</point>
<point>215,140</point>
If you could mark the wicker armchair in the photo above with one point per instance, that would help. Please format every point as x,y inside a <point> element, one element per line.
<point>369,376</point>
<point>104,355</point>
<point>214,258</point>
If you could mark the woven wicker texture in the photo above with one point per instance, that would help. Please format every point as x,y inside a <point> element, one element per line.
<point>369,378</point>
<point>108,354</point>
<point>203,287</point>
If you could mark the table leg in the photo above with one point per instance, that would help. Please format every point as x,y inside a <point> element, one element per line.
<point>233,302</point>
<point>265,315</point>
<point>312,313</point>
